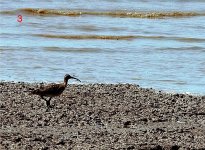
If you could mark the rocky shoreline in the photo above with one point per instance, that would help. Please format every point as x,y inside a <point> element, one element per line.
<point>100,116</point>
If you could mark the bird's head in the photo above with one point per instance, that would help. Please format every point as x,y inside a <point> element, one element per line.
<point>67,77</point>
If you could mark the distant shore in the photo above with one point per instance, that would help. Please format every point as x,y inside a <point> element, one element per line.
<point>100,116</point>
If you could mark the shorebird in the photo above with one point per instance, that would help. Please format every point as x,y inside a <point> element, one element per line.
<point>53,90</point>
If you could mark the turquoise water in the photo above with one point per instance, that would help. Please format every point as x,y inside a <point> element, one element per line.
<point>165,52</point>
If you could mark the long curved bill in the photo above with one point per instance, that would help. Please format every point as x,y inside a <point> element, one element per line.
<point>76,79</point>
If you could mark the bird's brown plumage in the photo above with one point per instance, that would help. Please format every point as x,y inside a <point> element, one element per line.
<point>52,90</point>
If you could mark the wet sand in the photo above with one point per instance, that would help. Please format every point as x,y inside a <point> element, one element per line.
<point>101,116</point>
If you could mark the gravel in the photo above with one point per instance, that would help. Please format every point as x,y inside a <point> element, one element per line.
<point>100,116</point>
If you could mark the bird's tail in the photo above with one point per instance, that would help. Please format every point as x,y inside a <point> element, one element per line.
<point>34,91</point>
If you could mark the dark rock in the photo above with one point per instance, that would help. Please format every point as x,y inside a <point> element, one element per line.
<point>126,124</point>
<point>175,147</point>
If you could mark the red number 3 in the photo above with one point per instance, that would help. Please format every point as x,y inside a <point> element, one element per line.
<point>20,18</point>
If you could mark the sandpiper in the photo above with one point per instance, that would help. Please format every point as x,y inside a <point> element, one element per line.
<point>53,90</point>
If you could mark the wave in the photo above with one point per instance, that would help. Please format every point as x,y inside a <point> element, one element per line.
<point>73,50</point>
<point>105,37</point>
<point>129,14</point>
<point>120,37</point>
<point>188,48</point>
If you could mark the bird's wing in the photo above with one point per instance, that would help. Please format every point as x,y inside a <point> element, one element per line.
<point>53,88</point>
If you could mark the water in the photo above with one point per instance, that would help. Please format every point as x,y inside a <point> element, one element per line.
<point>153,44</point>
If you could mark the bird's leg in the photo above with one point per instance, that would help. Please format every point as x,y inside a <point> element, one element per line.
<point>48,102</point>
<point>43,98</point>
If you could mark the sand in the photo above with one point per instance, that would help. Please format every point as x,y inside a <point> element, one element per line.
<point>100,116</point>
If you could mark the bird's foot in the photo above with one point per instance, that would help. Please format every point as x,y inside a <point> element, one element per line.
<point>48,109</point>
<point>52,106</point>
<point>49,105</point>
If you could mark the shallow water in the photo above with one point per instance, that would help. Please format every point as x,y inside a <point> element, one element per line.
<point>153,44</point>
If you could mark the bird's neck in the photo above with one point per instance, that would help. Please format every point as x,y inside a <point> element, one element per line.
<point>65,82</point>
